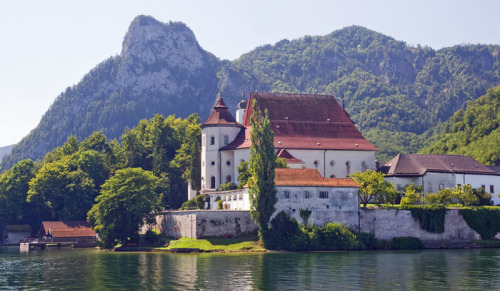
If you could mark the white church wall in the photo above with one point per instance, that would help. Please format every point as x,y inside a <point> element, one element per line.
<point>335,162</point>
<point>227,167</point>
<point>213,138</point>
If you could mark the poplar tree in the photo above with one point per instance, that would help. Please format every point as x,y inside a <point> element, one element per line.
<point>262,169</point>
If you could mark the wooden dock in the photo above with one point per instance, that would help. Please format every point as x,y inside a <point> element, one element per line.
<point>44,244</point>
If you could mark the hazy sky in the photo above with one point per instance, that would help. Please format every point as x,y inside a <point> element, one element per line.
<point>46,46</point>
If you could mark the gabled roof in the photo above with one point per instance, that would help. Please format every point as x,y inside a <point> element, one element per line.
<point>304,121</point>
<point>220,116</point>
<point>284,154</point>
<point>418,165</point>
<point>67,229</point>
<point>309,177</point>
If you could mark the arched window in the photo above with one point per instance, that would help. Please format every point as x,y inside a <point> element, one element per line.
<point>332,163</point>
<point>348,167</point>
<point>228,178</point>
<point>316,163</point>
<point>332,176</point>
<point>212,182</point>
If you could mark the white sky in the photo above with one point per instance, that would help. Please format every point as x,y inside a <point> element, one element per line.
<point>46,46</point>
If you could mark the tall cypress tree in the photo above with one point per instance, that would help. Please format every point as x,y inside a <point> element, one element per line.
<point>262,169</point>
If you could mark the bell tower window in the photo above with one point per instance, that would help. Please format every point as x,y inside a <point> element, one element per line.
<point>212,182</point>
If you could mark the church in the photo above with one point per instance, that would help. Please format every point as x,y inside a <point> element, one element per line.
<point>310,132</point>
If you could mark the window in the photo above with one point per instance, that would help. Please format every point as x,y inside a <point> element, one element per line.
<point>228,178</point>
<point>323,194</point>
<point>226,140</point>
<point>483,186</point>
<point>228,163</point>
<point>212,140</point>
<point>212,182</point>
<point>332,176</point>
<point>441,186</point>
<point>212,163</point>
<point>307,195</point>
<point>332,163</point>
<point>286,194</point>
<point>492,189</point>
<point>316,163</point>
<point>348,167</point>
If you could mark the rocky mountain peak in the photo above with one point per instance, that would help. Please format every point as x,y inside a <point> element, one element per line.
<point>149,41</point>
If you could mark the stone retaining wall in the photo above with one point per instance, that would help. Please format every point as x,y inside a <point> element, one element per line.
<point>203,223</point>
<point>384,223</point>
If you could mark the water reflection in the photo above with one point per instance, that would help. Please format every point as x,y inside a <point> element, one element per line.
<point>404,270</point>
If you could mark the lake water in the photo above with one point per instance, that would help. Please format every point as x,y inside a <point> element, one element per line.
<point>368,270</point>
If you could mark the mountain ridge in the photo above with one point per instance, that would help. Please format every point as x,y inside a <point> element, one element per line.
<point>392,90</point>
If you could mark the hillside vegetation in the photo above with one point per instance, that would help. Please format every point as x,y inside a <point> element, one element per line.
<point>395,92</point>
<point>474,131</point>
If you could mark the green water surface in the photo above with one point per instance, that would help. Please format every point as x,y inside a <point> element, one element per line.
<point>370,270</point>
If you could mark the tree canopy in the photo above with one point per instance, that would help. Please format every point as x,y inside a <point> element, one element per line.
<point>127,201</point>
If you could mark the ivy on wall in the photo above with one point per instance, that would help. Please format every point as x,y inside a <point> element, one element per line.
<point>484,220</point>
<point>431,218</point>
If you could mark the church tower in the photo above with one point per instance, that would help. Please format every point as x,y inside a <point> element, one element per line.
<point>217,131</point>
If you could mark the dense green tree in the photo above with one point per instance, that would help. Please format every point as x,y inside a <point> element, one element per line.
<point>127,201</point>
<point>61,194</point>
<point>373,186</point>
<point>14,186</point>
<point>262,170</point>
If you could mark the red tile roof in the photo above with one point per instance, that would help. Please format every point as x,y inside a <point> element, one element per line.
<point>304,121</point>
<point>220,116</point>
<point>418,165</point>
<point>67,229</point>
<point>309,177</point>
<point>284,154</point>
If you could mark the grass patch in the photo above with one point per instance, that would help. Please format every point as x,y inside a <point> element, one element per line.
<point>217,244</point>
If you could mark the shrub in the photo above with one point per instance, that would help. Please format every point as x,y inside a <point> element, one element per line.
<point>484,198</point>
<point>152,236</point>
<point>219,204</point>
<point>407,243</point>
<point>285,234</point>
<point>411,197</point>
<point>200,201</point>
<point>333,236</point>
<point>197,202</point>
<point>227,186</point>
<point>190,204</point>
<point>443,197</point>
<point>367,241</point>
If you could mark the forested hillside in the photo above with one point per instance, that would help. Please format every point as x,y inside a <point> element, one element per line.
<point>474,131</point>
<point>65,184</point>
<point>395,92</point>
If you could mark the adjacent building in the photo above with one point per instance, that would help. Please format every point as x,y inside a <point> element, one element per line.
<point>435,172</point>
<point>328,199</point>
